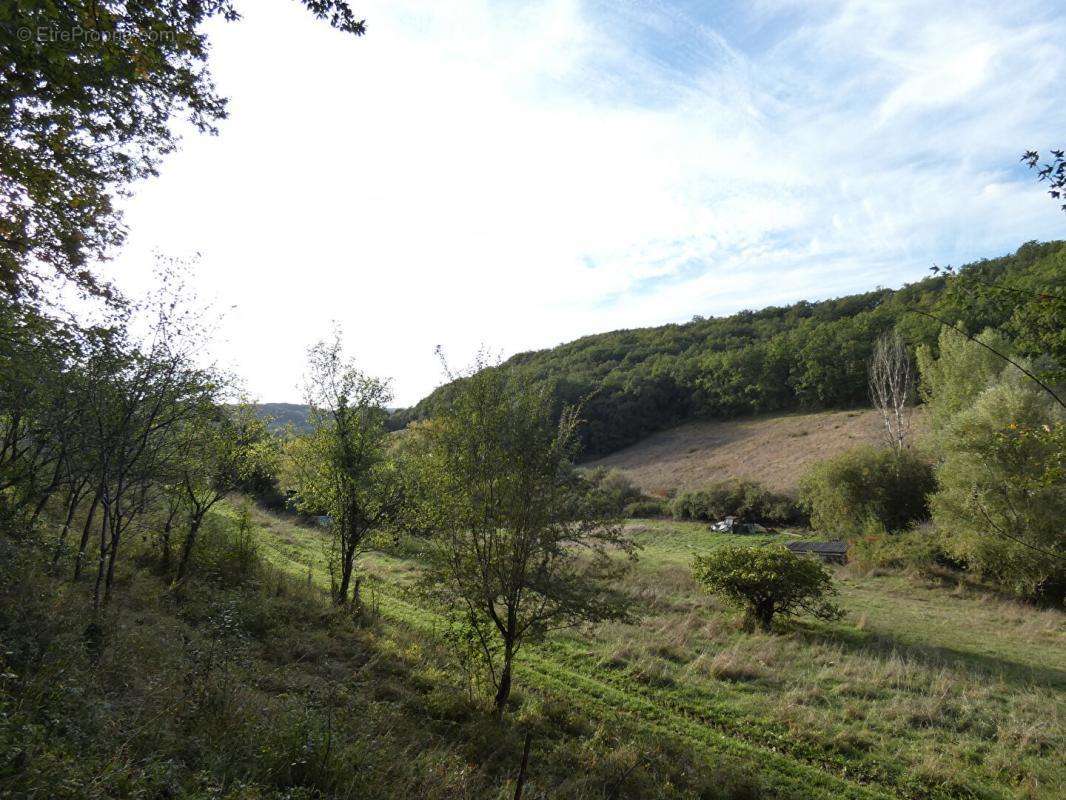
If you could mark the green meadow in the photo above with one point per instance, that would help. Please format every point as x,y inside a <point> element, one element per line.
<point>923,689</point>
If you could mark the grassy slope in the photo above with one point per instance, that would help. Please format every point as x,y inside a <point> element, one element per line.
<point>774,449</point>
<point>922,691</point>
<point>246,685</point>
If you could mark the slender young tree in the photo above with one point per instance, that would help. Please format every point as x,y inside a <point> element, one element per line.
<point>519,545</point>
<point>892,387</point>
<point>342,468</point>
<point>219,450</point>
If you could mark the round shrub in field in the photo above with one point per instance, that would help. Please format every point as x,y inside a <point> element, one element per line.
<point>844,493</point>
<point>768,580</point>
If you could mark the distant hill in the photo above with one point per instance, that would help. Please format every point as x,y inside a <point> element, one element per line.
<point>773,449</point>
<point>803,357</point>
<point>281,415</point>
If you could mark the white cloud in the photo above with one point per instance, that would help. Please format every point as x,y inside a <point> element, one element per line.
<point>521,174</point>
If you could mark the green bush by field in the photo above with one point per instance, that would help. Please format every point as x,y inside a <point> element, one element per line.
<point>844,494</point>
<point>768,581</point>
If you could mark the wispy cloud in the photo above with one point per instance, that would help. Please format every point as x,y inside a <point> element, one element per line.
<point>523,173</point>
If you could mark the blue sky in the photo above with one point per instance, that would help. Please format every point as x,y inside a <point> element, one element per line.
<point>517,174</point>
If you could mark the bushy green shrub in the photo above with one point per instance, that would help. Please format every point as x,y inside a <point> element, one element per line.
<point>614,487</point>
<point>843,493</point>
<point>768,580</point>
<point>735,498</point>
<point>645,509</point>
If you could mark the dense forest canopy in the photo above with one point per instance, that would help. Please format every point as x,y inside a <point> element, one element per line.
<point>803,356</point>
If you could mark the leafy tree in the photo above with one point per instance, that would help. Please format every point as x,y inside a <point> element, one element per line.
<point>520,543</point>
<point>1028,308</point>
<point>615,488</point>
<point>220,449</point>
<point>842,494</point>
<point>342,468</point>
<point>139,401</point>
<point>39,406</point>
<point>953,380</point>
<point>767,581</point>
<point>89,93</point>
<point>1002,476</point>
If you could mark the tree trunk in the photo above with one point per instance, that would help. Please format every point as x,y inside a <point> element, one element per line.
<point>46,493</point>
<point>764,614</point>
<point>341,597</point>
<point>166,539</point>
<point>190,542</point>
<point>101,565</point>
<point>72,506</point>
<point>85,534</point>
<point>503,691</point>
<point>112,553</point>
<point>45,496</point>
<point>521,783</point>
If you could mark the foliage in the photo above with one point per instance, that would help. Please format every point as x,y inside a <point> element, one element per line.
<point>260,686</point>
<point>768,580</point>
<point>102,415</point>
<point>804,356</point>
<point>843,493</point>
<point>645,509</point>
<point>342,469</point>
<point>1002,495</point>
<point>1025,306</point>
<point>923,549</point>
<point>1053,171</point>
<point>220,450</point>
<point>89,93</point>
<point>613,487</point>
<point>746,499</point>
<point>520,543</point>
<point>955,375</point>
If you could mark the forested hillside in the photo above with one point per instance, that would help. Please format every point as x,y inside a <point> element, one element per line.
<point>805,356</point>
<point>279,416</point>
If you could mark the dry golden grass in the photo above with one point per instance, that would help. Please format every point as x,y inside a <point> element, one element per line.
<point>774,450</point>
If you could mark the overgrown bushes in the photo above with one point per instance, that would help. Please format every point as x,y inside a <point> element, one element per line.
<point>922,550</point>
<point>614,487</point>
<point>646,509</point>
<point>845,493</point>
<point>746,499</point>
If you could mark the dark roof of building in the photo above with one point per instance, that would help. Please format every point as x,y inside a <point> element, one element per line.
<point>818,547</point>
